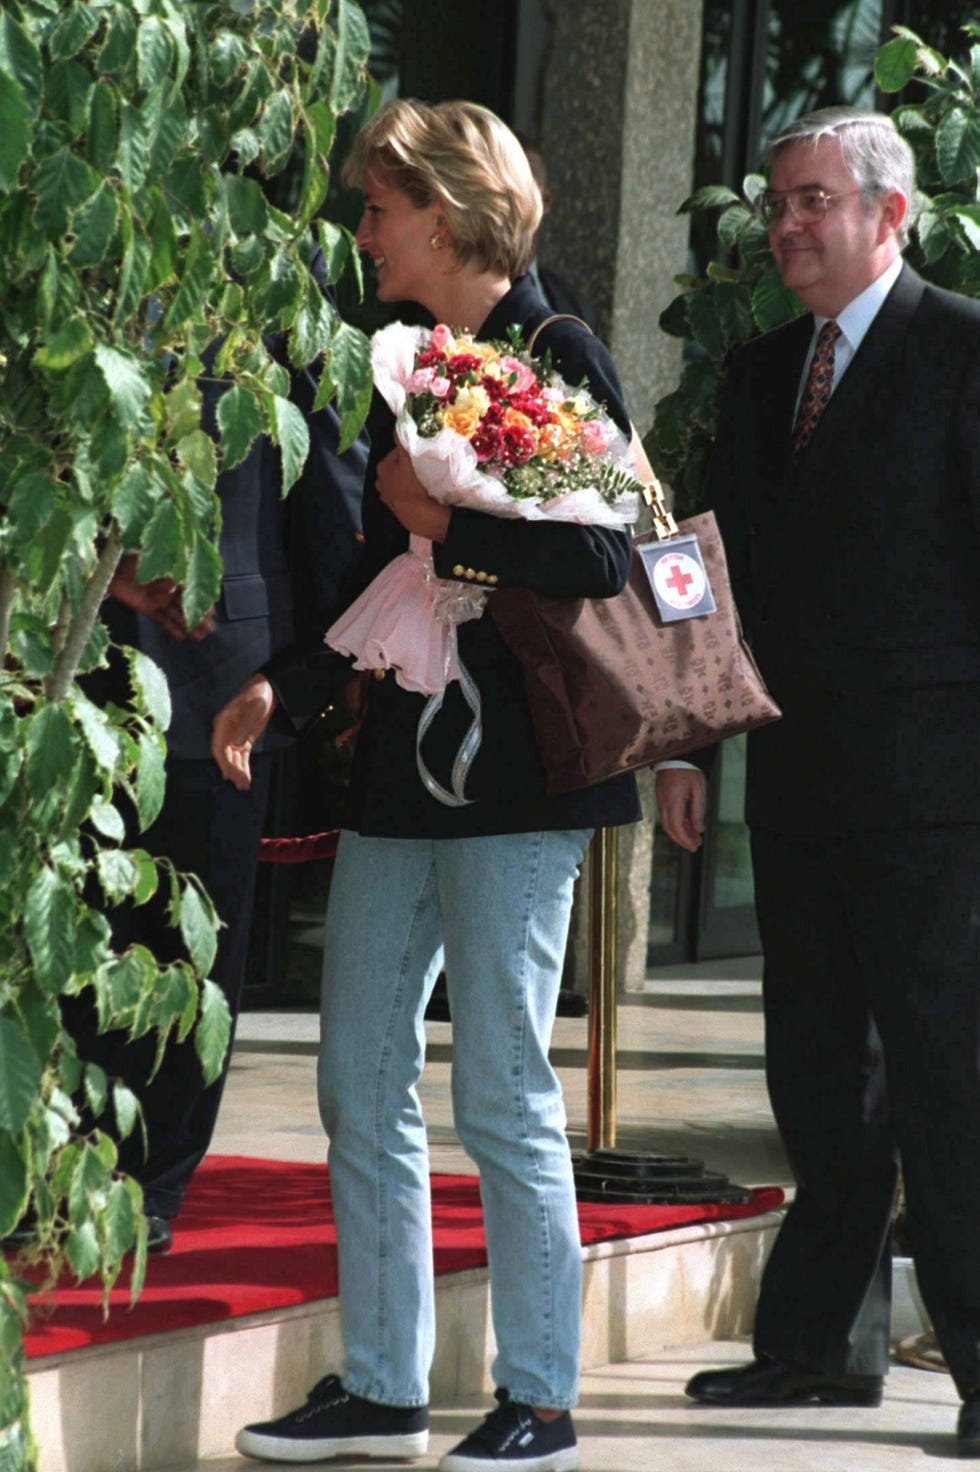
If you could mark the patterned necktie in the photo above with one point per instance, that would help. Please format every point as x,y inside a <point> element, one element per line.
<point>816,390</point>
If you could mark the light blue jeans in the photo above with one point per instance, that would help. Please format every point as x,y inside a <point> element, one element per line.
<point>498,910</point>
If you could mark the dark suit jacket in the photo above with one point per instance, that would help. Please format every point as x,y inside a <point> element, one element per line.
<point>386,795</point>
<point>283,563</point>
<point>858,573</point>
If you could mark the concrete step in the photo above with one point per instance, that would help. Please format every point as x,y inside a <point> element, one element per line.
<point>174,1400</point>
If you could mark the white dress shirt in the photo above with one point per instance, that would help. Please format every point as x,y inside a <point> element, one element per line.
<point>853,322</point>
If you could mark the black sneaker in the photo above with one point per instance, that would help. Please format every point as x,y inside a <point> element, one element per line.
<point>334,1423</point>
<point>513,1439</point>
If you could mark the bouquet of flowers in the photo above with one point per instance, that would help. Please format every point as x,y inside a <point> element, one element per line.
<point>493,429</point>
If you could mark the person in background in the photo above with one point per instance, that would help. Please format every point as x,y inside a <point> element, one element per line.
<point>846,479</point>
<point>205,826</point>
<point>554,288</point>
<point>450,211</point>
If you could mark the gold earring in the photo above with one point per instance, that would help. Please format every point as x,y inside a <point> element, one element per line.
<point>436,240</point>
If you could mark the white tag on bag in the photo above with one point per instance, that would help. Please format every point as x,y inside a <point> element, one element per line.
<point>677,576</point>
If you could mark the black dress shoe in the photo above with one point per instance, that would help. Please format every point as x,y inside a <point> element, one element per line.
<point>968,1427</point>
<point>159,1238</point>
<point>774,1383</point>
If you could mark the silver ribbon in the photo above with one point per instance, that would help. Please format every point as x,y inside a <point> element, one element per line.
<point>453,604</point>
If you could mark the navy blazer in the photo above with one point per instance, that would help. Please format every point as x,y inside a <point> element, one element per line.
<point>386,796</point>
<point>283,562</point>
<point>857,573</point>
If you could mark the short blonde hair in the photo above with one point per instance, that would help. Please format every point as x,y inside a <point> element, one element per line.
<point>464,158</point>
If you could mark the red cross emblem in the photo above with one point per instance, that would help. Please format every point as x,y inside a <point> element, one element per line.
<point>679,580</point>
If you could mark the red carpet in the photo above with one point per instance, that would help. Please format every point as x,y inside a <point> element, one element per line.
<point>259,1234</point>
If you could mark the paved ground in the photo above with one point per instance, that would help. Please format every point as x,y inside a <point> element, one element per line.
<point>690,1081</point>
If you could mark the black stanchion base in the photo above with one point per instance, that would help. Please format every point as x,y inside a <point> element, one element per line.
<point>642,1178</point>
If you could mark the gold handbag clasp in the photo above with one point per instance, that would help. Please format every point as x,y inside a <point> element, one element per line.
<point>664,525</point>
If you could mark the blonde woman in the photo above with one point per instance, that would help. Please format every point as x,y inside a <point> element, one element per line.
<point>450,211</point>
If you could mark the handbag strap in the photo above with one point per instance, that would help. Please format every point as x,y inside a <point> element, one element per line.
<point>557,317</point>
<point>664,525</point>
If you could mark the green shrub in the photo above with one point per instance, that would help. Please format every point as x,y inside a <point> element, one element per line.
<point>134,231</point>
<point>732,303</point>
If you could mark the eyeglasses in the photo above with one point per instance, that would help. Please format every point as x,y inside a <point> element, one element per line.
<point>807,205</point>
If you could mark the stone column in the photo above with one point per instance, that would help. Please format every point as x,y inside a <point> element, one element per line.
<point>619,110</point>
<point>618,124</point>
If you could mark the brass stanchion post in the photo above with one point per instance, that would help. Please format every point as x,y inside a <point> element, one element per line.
<point>604,1173</point>
<point>601,1115</point>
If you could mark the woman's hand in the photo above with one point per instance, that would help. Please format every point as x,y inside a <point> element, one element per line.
<point>406,497</point>
<point>238,726</point>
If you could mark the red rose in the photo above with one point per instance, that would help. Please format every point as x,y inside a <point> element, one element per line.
<point>537,409</point>
<point>517,446</point>
<point>487,441</point>
<point>462,363</point>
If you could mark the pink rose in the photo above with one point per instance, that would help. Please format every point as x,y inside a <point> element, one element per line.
<point>595,437</point>
<point>421,381</point>
<point>442,337</point>
<point>441,385</point>
<point>525,376</point>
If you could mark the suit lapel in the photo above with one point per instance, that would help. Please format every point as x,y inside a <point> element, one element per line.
<point>783,374</point>
<point>858,403</point>
<point>873,369</point>
<point>769,374</point>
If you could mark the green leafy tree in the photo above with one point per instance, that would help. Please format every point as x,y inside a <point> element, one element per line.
<point>135,231</point>
<point>742,294</point>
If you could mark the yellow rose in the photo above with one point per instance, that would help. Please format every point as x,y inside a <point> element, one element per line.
<point>464,421</point>
<point>484,350</point>
<point>514,416</point>
<point>473,400</point>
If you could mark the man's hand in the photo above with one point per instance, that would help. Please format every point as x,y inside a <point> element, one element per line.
<point>406,497</point>
<point>682,794</point>
<point>159,600</point>
<point>238,726</point>
<point>355,698</point>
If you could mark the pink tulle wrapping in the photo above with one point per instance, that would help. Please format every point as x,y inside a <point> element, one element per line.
<point>393,625</point>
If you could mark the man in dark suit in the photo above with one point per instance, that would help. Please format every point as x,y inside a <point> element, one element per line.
<point>847,484</point>
<point>282,563</point>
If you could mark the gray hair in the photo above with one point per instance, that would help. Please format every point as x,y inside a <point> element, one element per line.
<point>871,147</point>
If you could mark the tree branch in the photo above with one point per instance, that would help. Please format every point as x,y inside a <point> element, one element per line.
<point>80,629</point>
<point>7,588</point>
<point>62,626</point>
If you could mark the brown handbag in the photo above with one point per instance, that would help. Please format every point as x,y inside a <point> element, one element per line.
<point>613,688</point>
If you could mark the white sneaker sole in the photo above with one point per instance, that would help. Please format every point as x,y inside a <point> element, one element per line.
<point>290,1449</point>
<point>565,1460</point>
